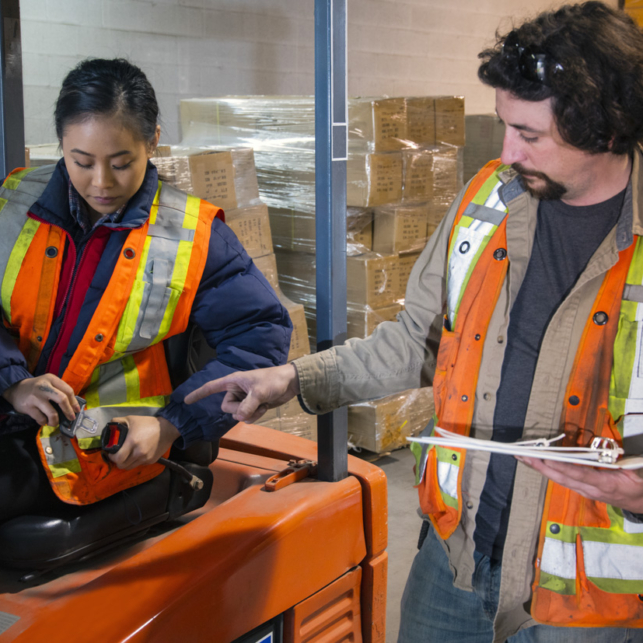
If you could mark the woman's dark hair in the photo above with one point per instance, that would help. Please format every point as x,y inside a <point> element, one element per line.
<point>99,87</point>
<point>591,65</point>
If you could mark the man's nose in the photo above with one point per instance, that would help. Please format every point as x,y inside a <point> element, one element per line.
<point>512,148</point>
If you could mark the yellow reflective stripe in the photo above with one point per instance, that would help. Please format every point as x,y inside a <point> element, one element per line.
<point>89,443</point>
<point>627,345</point>
<point>487,188</point>
<point>63,468</point>
<point>3,202</point>
<point>14,264</point>
<point>91,392</point>
<point>192,208</point>
<point>132,380</point>
<point>127,325</point>
<point>47,431</point>
<point>155,204</point>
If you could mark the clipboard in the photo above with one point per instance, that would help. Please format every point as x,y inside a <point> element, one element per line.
<point>603,452</point>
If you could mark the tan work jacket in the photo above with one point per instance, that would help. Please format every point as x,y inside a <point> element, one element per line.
<point>402,355</point>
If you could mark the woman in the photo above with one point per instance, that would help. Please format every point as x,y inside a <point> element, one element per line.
<point>101,262</point>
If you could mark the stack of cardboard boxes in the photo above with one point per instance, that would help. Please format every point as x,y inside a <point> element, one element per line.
<point>404,169</point>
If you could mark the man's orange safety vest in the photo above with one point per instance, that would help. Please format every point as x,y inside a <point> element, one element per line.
<point>119,366</point>
<point>589,566</point>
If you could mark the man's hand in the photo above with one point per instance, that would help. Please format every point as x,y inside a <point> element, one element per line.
<point>148,438</point>
<point>33,397</point>
<point>617,487</point>
<point>251,393</point>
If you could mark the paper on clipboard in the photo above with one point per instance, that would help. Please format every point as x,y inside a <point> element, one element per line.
<point>604,453</point>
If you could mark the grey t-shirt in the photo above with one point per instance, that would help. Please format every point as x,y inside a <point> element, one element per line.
<point>566,238</point>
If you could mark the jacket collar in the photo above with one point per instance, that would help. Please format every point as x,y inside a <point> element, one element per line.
<point>53,204</point>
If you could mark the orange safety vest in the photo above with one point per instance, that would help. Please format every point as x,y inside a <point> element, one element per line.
<point>119,366</point>
<point>589,568</point>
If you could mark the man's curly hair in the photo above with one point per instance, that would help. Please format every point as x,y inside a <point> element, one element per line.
<point>598,94</point>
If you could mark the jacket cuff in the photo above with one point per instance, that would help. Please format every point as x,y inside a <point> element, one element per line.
<point>318,382</point>
<point>189,427</point>
<point>11,375</point>
<point>632,517</point>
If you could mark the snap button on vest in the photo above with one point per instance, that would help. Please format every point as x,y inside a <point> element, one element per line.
<point>477,338</point>
<point>499,254</point>
<point>555,529</point>
<point>464,398</point>
<point>454,457</point>
<point>574,400</point>
<point>99,337</point>
<point>464,247</point>
<point>487,396</point>
<point>51,252</point>
<point>600,318</point>
<point>129,253</point>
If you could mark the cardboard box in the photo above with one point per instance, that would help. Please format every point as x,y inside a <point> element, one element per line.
<point>373,280</point>
<point>363,320</point>
<point>299,341</point>
<point>400,228</point>
<point>374,179</point>
<point>359,231</point>
<point>418,179</point>
<point>485,136</point>
<point>225,178</point>
<point>449,120</point>
<point>294,230</point>
<point>252,227</point>
<point>420,119</point>
<point>268,267</point>
<point>377,124</point>
<point>383,425</point>
<point>303,425</point>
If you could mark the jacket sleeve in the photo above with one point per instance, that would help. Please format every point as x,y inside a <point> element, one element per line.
<point>398,355</point>
<point>13,365</point>
<point>242,319</point>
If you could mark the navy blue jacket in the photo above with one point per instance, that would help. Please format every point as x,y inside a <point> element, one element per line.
<point>235,307</point>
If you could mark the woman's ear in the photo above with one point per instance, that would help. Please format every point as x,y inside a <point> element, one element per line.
<point>154,143</point>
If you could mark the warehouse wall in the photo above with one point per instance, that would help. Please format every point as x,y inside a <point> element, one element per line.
<point>216,47</point>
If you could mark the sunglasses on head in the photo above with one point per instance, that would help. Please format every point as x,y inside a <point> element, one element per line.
<point>533,64</point>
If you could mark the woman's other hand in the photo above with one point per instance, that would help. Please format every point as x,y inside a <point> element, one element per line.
<point>148,438</point>
<point>33,397</point>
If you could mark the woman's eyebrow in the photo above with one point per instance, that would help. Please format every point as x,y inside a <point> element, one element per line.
<point>121,153</point>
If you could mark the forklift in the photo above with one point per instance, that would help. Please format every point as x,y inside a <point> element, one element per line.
<point>285,542</point>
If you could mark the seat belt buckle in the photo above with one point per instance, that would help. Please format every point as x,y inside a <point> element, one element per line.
<point>113,437</point>
<point>69,428</point>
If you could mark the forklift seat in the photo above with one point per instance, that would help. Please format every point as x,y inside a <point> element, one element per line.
<point>43,542</point>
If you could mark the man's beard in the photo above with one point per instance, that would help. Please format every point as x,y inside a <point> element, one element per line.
<point>550,191</point>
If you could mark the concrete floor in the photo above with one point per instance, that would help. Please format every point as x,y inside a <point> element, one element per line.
<point>403,531</point>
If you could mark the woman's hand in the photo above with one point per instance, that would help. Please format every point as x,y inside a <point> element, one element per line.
<point>33,397</point>
<point>148,438</point>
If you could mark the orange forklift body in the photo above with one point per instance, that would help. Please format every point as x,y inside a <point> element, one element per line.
<point>311,551</point>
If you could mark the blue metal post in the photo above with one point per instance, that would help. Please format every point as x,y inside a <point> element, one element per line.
<point>331,149</point>
<point>12,124</point>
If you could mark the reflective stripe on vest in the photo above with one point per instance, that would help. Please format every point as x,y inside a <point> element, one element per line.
<point>590,556</point>
<point>119,365</point>
<point>439,469</point>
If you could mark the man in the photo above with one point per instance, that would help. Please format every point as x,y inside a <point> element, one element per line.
<point>523,312</point>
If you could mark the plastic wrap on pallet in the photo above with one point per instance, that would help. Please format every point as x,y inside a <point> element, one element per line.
<point>393,124</point>
<point>280,129</point>
<point>383,425</point>
<point>224,176</point>
<point>294,230</point>
<point>447,174</point>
